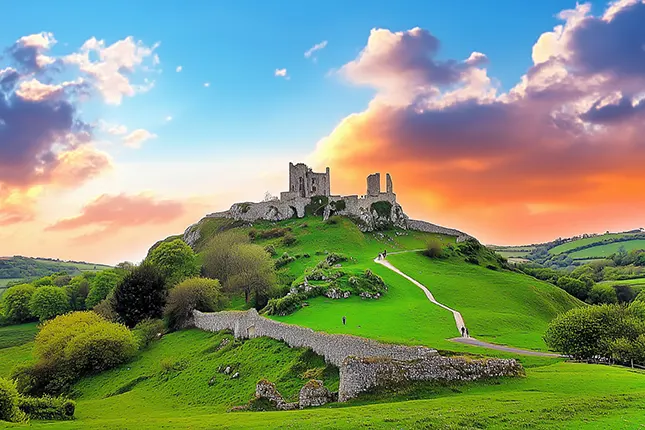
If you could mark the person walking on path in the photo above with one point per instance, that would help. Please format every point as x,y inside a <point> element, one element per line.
<point>467,335</point>
<point>385,253</point>
<point>463,331</point>
<point>343,320</point>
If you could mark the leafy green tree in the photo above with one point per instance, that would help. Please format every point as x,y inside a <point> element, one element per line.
<point>45,280</point>
<point>141,295</point>
<point>602,293</point>
<point>61,279</point>
<point>575,287</point>
<point>252,272</point>
<point>15,303</point>
<point>589,331</point>
<point>217,257</point>
<point>202,294</point>
<point>77,291</point>
<point>48,302</point>
<point>101,286</point>
<point>9,400</point>
<point>176,260</point>
<point>637,308</point>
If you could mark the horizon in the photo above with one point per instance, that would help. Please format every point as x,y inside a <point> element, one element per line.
<point>118,131</point>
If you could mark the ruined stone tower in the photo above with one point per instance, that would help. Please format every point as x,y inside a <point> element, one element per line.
<point>388,183</point>
<point>303,182</point>
<point>374,184</point>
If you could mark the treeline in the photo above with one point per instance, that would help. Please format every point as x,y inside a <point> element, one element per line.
<point>29,268</point>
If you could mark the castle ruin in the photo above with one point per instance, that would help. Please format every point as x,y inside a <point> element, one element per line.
<point>374,210</point>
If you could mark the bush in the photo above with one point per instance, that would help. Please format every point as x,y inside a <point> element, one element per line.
<point>283,260</point>
<point>575,287</point>
<point>47,408</point>
<point>102,285</point>
<point>106,309</point>
<point>289,239</point>
<point>176,260</point>
<point>472,260</point>
<point>201,294</point>
<point>15,303</point>
<point>71,346</point>
<point>147,331</point>
<point>9,410</point>
<point>316,205</point>
<point>433,249</point>
<point>270,249</point>
<point>48,302</point>
<point>602,294</point>
<point>382,208</point>
<point>269,234</point>
<point>141,295</point>
<point>218,255</point>
<point>589,332</point>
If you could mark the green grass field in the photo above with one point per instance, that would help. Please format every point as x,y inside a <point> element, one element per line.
<point>499,306</point>
<point>553,395</point>
<point>601,251</point>
<point>566,247</point>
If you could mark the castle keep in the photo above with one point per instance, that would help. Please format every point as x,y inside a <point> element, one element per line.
<point>310,193</point>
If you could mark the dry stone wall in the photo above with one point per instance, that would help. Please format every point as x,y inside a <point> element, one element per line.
<point>364,364</point>
<point>334,347</point>
<point>418,225</point>
<point>358,375</point>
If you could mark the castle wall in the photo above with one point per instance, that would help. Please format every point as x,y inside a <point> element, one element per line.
<point>388,184</point>
<point>363,363</point>
<point>358,375</point>
<point>334,347</point>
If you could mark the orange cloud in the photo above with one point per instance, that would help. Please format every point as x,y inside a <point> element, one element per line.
<point>107,215</point>
<point>561,153</point>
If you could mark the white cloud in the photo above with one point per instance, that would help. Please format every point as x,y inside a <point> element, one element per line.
<point>110,73</point>
<point>41,42</point>
<point>137,137</point>
<point>316,47</point>
<point>179,69</point>
<point>34,90</point>
<point>207,84</point>
<point>281,73</point>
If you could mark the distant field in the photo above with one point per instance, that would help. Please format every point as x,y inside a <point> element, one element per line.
<point>5,281</point>
<point>565,247</point>
<point>512,251</point>
<point>83,267</point>
<point>606,250</point>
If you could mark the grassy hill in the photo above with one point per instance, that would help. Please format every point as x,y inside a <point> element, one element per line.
<point>499,305</point>
<point>18,268</point>
<point>605,250</point>
<point>142,395</point>
<point>568,246</point>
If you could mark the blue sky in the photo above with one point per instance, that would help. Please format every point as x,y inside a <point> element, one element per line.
<point>236,46</point>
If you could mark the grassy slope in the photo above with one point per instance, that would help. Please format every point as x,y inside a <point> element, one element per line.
<point>608,249</point>
<point>16,344</point>
<point>566,247</point>
<point>503,307</point>
<point>549,397</point>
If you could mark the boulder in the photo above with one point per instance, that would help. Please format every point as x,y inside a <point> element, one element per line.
<point>266,389</point>
<point>314,393</point>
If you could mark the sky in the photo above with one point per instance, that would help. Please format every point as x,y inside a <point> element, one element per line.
<point>122,124</point>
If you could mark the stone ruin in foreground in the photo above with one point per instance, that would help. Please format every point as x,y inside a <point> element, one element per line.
<point>310,193</point>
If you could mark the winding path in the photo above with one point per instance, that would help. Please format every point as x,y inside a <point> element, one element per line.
<point>459,321</point>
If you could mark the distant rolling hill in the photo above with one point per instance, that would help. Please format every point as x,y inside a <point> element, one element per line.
<point>18,268</point>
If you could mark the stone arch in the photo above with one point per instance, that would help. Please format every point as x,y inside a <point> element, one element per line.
<point>250,332</point>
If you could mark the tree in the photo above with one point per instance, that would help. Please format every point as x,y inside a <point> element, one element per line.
<point>48,302</point>
<point>575,287</point>
<point>141,295</point>
<point>217,255</point>
<point>77,292</point>
<point>101,286</point>
<point>176,260</point>
<point>433,249</point>
<point>202,294</point>
<point>252,272</point>
<point>602,293</point>
<point>15,303</point>
<point>589,331</point>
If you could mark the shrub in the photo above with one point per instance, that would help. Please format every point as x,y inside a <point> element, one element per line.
<point>472,260</point>
<point>102,285</point>
<point>141,295</point>
<point>602,293</point>
<point>269,234</point>
<point>589,331</point>
<point>382,208</point>
<point>283,260</point>
<point>289,239</point>
<point>270,249</point>
<point>330,260</point>
<point>316,205</point>
<point>15,303</point>
<point>176,261</point>
<point>575,287</point>
<point>202,294</point>
<point>9,410</point>
<point>73,345</point>
<point>338,205</point>
<point>47,408</point>
<point>147,331</point>
<point>433,249</point>
<point>169,365</point>
<point>106,309</point>
<point>48,302</point>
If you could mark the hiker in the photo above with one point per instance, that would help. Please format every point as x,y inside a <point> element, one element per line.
<point>467,335</point>
<point>343,320</point>
<point>385,253</point>
<point>463,331</point>
<point>380,257</point>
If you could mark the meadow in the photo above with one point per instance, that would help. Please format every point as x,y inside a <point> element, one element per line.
<point>603,251</point>
<point>145,394</point>
<point>568,246</point>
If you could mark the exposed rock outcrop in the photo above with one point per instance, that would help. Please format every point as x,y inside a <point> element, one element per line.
<point>314,393</point>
